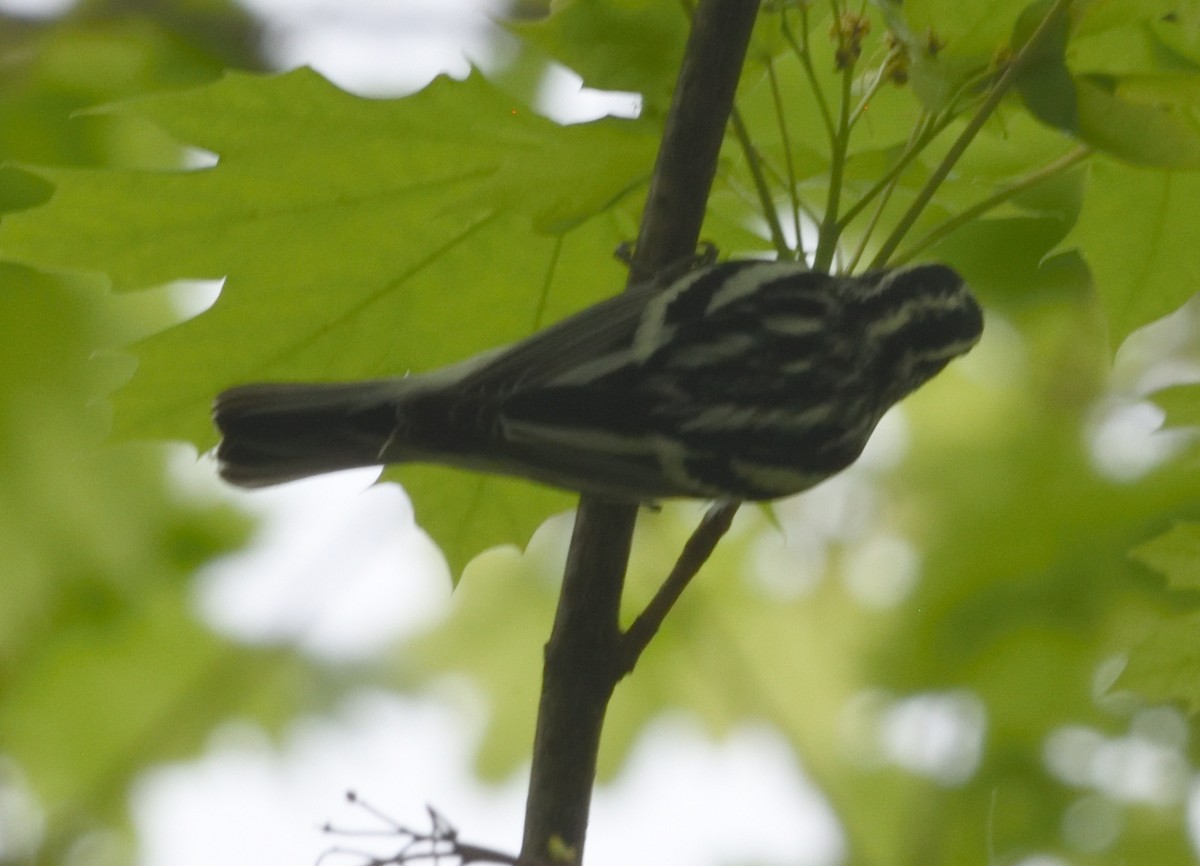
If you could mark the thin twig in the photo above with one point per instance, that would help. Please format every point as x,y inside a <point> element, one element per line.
<point>788,161</point>
<point>1029,50</point>
<point>765,202</point>
<point>827,238</point>
<point>926,130</point>
<point>1033,178</point>
<point>801,49</point>
<point>871,89</point>
<point>695,553</point>
<point>438,844</point>
<point>922,133</point>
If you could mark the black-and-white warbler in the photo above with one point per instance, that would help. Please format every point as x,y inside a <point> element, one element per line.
<point>748,380</point>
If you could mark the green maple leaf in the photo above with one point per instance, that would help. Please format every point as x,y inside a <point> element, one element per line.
<point>357,238</point>
<point>1135,232</point>
<point>1165,665</point>
<point>1175,553</point>
<point>1181,403</point>
<point>615,46</point>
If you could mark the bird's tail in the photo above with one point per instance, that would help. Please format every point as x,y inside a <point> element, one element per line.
<point>274,433</point>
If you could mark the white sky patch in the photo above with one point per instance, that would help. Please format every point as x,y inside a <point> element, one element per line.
<point>939,735</point>
<point>399,47</point>
<point>192,297</point>
<point>246,802</point>
<point>787,567</point>
<point>1000,359</point>
<point>36,8</point>
<point>563,97</point>
<point>690,801</point>
<point>197,158</point>
<point>882,570</point>
<point>335,569</point>
<point>1042,860</point>
<point>1160,354</point>
<point>1148,765</point>
<point>21,817</point>
<point>888,445</point>
<point>682,800</point>
<point>378,47</point>
<point>1126,440</point>
<point>1124,436</point>
<point>843,509</point>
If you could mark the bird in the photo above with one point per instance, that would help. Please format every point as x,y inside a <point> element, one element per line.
<point>745,379</point>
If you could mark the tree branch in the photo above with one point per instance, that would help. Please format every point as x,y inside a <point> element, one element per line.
<point>584,656</point>
<point>439,844</point>
<point>695,553</point>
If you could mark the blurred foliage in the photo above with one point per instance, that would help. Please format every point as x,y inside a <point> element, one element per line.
<point>103,666</point>
<point>983,640</point>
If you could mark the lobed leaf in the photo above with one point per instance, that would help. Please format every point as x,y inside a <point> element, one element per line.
<point>1166,665</point>
<point>1175,553</point>
<point>1132,232</point>
<point>356,238</point>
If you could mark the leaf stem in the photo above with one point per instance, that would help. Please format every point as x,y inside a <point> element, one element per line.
<point>788,162</point>
<point>920,137</point>
<point>830,229</point>
<point>928,130</point>
<point>765,202</point>
<point>872,88</point>
<point>1029,50</point>
<point>695,553</point>
<point>804,55</point>
<point>1072,157</point>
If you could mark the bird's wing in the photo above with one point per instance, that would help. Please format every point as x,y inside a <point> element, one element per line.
<point>591,334</point>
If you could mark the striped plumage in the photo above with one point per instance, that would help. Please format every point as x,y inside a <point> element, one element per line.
<point>748,379</point>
